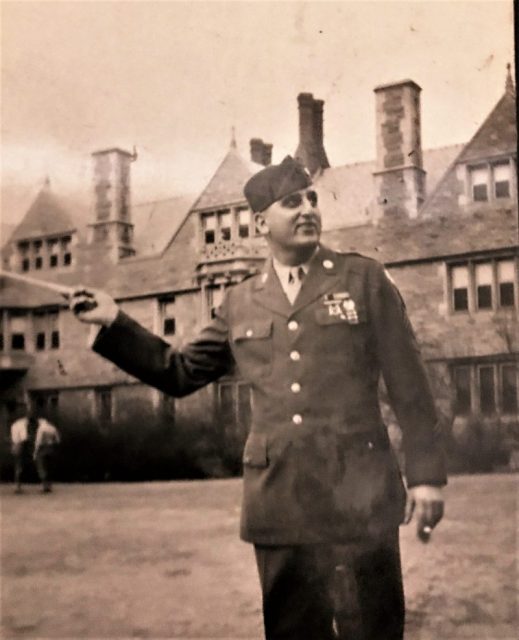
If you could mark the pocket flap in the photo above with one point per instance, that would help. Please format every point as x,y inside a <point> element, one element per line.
<point>255,452</point>
<point>252,329</point>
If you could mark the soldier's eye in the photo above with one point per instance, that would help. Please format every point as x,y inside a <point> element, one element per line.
<point>312,197</point>
<point>292,201</point>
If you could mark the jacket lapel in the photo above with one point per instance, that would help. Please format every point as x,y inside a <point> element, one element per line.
<point>269,294</point>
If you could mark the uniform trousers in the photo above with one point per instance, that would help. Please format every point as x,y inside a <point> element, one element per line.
<point>332,592</point>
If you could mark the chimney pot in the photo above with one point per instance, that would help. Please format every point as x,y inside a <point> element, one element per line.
<point>260,152</point>
<point>310,151</point>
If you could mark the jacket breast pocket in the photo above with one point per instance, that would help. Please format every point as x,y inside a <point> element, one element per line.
<point>342,333</point>
<point>252,347</point>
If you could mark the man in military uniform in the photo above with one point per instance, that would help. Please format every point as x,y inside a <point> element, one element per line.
<point>323,495</point>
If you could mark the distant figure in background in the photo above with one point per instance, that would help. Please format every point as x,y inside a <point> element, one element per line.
<point>33,437</point>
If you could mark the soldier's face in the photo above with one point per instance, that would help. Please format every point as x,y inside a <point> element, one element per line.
<point>294,221</point>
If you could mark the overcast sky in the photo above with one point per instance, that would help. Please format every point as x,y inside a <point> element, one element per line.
<point>173,78</point>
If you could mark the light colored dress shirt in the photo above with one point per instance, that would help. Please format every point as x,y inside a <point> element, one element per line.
<point>290,278</point>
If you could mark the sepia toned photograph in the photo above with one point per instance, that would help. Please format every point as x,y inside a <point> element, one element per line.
<point>259,292</point>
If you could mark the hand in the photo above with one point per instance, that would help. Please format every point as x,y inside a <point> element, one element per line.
<point>426,502</point>
<point>93,306</point>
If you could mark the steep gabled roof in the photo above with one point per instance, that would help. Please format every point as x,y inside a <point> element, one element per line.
<point>497,136</point>
<point>498,133</point>
<point>155,223</point>
<point>227,183</point>
<point>48,215</point>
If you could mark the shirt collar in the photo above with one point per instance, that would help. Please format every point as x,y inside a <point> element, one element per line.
<point>282,270</point>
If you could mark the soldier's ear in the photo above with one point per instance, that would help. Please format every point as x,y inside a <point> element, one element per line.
<point>260,224</point>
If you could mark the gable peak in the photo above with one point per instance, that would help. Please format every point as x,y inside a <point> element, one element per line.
<point>509,84</point>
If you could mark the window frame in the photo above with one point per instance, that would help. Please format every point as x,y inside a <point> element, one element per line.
<point>491,185</point>
<point>498,405</point>
<point>472,292</point>
<point>163,303</point>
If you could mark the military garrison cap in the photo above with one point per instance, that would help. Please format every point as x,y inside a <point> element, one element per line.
<point>275,182</point>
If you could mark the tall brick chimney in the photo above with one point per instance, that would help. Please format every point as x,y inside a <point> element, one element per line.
<point>260,152</point>
<point>112,227</point>
<point>399,176</point>
<point>310,151</point>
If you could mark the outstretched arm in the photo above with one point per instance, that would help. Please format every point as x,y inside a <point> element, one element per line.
<point>149,358</point>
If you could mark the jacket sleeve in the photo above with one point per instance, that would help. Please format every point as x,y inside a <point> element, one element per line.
<point>149,358</point>
<point>407,384</point>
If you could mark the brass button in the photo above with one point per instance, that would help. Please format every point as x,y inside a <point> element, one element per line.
<point>295,387</point>
<point>295,356</point>
<point>293,325</point>
<point>370,445</point>
<point>248,333</point>
<point>297,419</point>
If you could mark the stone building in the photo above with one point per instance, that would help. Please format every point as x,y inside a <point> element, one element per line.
<point>444,221</point>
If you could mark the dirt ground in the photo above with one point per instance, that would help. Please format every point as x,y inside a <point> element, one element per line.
<point>163,560</point>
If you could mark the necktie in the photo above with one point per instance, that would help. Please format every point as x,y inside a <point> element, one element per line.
<point>295,278</point>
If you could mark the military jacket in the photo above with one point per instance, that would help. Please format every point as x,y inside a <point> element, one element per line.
<point>318,466</point>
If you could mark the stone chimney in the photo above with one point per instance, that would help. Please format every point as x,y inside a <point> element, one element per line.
<point>112,227</point>
<point>399,176</point>
<point>319,133</point>
<point>310,151</point>
<point>260,152</point>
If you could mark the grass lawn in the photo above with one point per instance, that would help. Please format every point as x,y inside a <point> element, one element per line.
<point>163,560</point>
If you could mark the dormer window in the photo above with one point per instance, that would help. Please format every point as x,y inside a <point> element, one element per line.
<point>58,250</point>
<point>225,224</point>
<point>53,249</point>
<point>479,182</point>
<point>491,181</point>
<point>502,178</point>
<point>38,259</point>
<point>66,243</point>
<point>244,219</point>
<point>209,227</point>
<point>23,252</point>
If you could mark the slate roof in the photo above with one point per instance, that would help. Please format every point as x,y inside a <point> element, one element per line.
<point>422,239</point>
<point>156,222</point>
<point>48,215</point>
<point>226,185</point>
<point>346,193</point>
<point>498,133</point>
